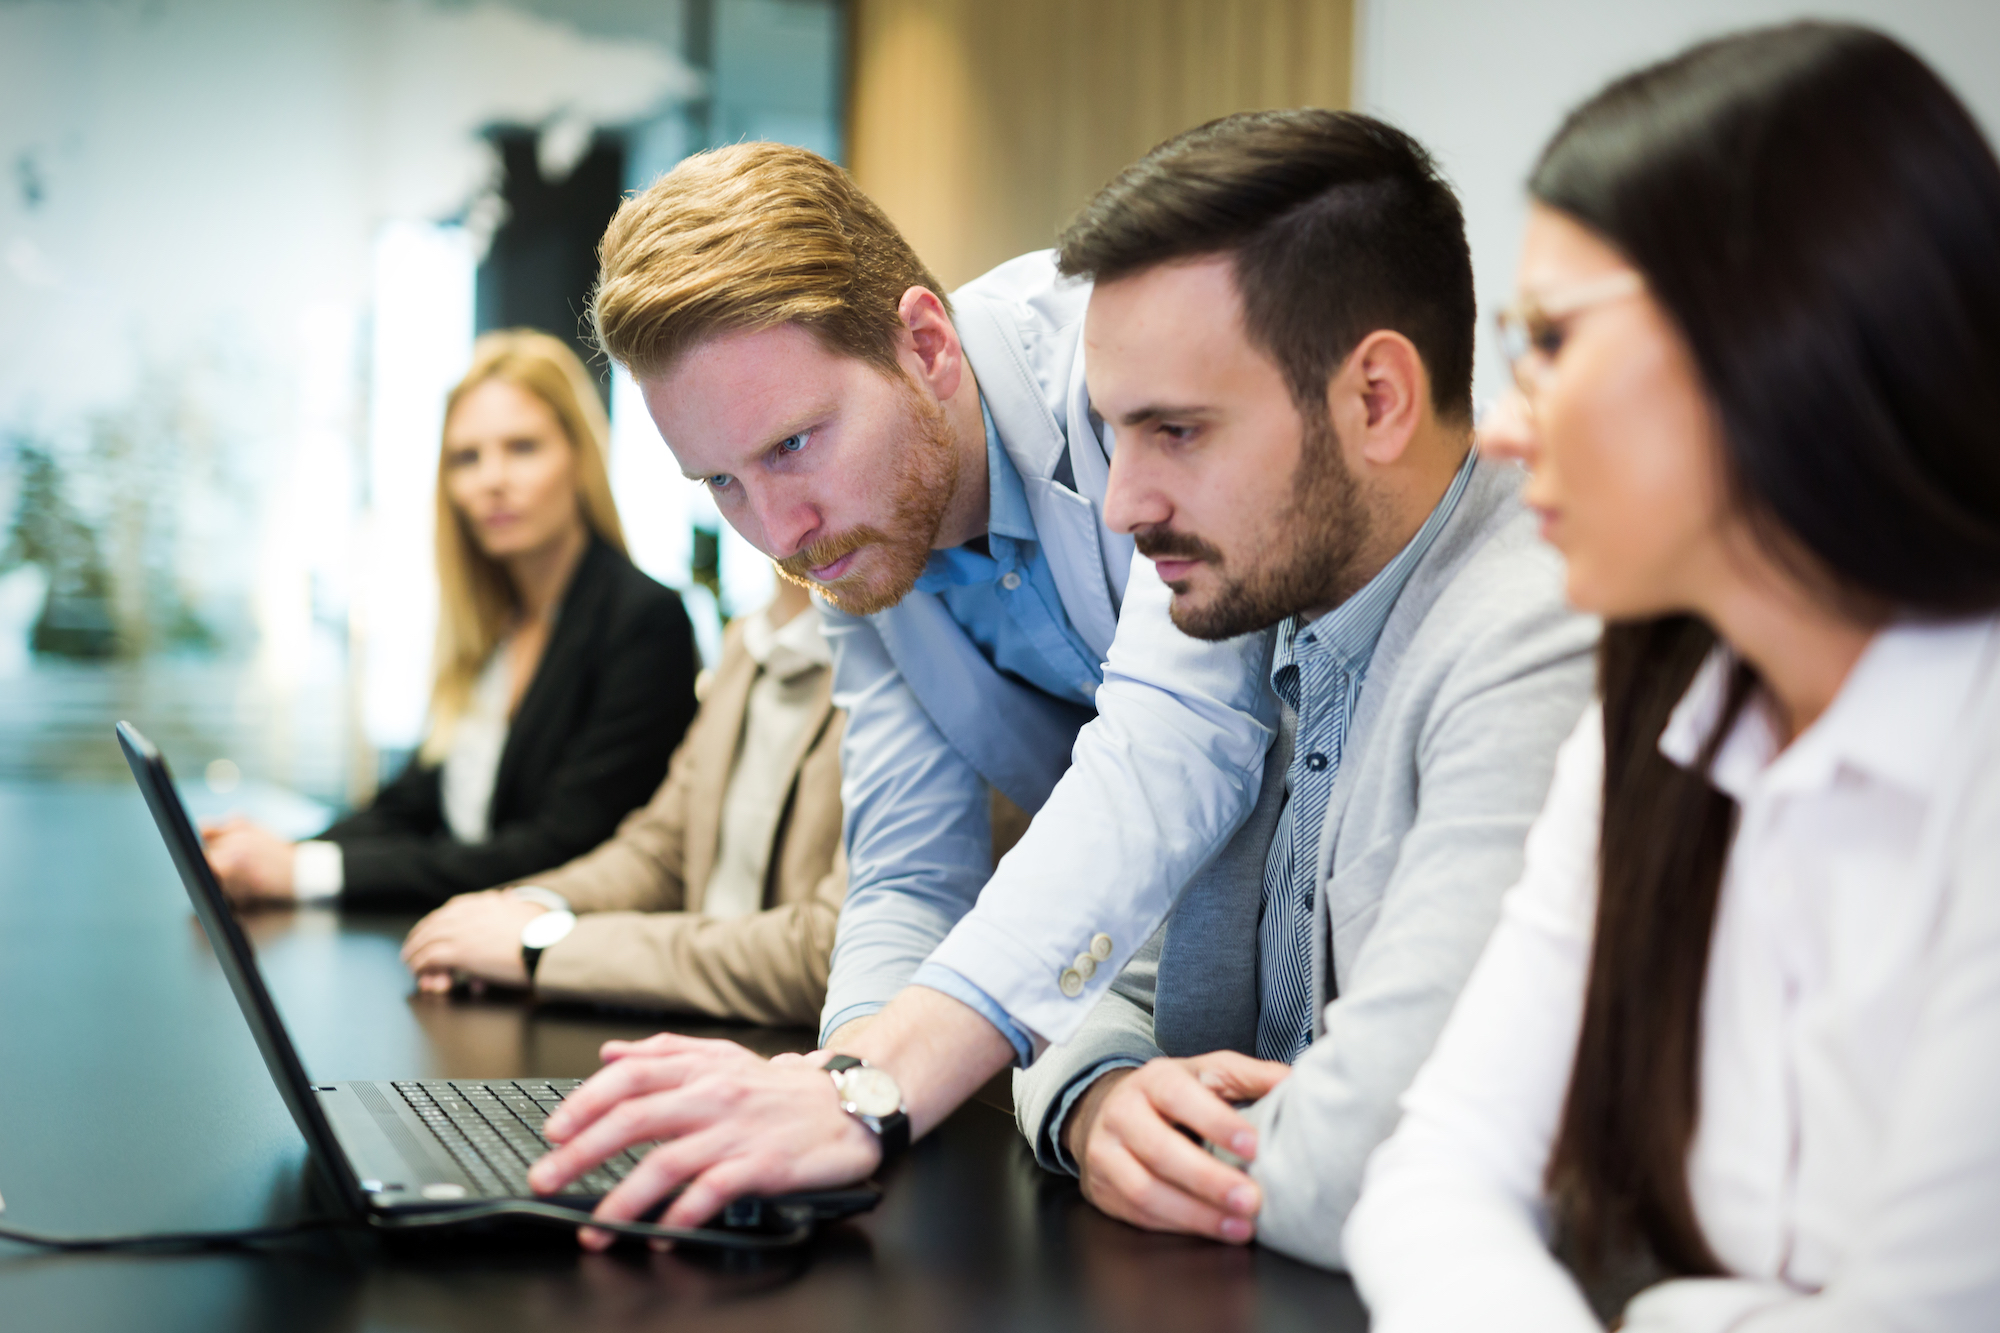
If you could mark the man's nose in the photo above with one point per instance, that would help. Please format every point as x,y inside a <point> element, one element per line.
<point>1132,500</point>
<point>787,521</point>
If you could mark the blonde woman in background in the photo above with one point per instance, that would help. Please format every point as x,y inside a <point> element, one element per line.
<point>564,676</point>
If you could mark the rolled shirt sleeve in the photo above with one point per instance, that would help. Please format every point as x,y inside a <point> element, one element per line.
<point>918,829</point>
<point>1157,783</point>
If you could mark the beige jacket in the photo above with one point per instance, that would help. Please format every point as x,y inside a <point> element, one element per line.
<point>641,938</point>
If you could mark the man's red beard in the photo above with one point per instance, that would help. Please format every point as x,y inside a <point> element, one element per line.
<point>922,484</point>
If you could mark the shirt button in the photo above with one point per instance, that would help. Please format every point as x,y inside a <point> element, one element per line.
<point>1084,966</point>
<point>1071,982</point>
<point>1100,947</point>
<point>1316,761</point>
<point>1010,580</point>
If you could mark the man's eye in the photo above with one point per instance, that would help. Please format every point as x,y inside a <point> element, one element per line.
<point>1545,337</point>
<point>792,444</point>
<point>719,481</point>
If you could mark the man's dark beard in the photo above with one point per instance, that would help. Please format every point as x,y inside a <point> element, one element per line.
<point>1310,563</point>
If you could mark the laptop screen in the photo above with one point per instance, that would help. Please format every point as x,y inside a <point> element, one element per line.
<point>232,949</point>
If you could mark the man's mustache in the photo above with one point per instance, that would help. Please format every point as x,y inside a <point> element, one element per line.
<point>1166,544</point>
<point>824,552</point>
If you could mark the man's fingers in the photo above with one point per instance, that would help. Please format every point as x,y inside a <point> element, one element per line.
<point>658,1174</point>
<point>711,1191</point>
<point>1167,1155</point>
<point>627,1077</point>
<point>638,1118</point>
<point>435,982</point>
<point>1120,1184</point>
<point>671,1043</point>
<point>1183,1099</point>
<point>1236,1077</point>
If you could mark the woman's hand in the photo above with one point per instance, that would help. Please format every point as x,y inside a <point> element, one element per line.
<point>252,863</point>
<point>477,934</point>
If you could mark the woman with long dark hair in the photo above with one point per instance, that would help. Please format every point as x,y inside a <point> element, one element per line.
<point>1737,1037</point>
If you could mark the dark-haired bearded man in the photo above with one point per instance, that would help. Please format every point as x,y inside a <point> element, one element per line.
<point>1280,337</point>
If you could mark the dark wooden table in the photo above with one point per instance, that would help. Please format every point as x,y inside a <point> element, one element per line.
<point>132,1098</point>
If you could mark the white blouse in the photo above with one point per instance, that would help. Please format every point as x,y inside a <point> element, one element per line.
<point>478,739</point>
<point>471,766</point>
<point>1845,1167</point>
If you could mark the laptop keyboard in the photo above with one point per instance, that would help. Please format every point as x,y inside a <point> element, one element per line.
<point>493,1130</point>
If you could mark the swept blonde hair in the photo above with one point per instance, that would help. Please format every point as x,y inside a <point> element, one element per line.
<point>749,237</point>
<point>476,598</point>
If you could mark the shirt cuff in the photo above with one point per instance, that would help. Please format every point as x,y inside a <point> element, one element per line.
<point>318,871</point>
<point>862,1009</point>
<point>1703,1305</point>
<point>938,977</point>
<point>1071,1096</point>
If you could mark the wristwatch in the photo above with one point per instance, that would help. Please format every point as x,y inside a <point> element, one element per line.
<point>871,1096</point>
<point>542,932</point>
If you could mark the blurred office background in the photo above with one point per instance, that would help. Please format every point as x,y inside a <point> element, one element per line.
<point>244,250</point>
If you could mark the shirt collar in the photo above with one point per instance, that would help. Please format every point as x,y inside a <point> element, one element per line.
<point>1896,716</point>
<point>1007,512</point>
<point>1349,632</point>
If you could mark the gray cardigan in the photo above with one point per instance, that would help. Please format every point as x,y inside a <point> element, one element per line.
<point>1479,674</point>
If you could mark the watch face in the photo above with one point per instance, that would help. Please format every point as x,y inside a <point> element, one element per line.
<point>546,929</point>
<point>871,1091</point>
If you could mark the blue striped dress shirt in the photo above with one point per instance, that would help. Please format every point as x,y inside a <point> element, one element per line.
<point>1318,670</point>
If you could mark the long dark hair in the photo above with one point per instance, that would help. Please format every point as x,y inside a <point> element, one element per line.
<point>1820,217</point>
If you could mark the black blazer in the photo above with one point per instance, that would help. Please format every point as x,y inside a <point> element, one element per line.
<point>590,742</point>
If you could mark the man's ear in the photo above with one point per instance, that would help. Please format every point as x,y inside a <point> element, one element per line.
<point>932,340</point>
<point>1377,399</point>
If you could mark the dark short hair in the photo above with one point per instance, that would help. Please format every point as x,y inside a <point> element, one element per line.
<point>1339,224</point>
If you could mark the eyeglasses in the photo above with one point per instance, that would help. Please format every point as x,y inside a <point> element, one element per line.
<point>1529,336</point>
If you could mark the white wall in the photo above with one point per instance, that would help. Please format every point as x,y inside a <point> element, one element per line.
<point>1484,85</point>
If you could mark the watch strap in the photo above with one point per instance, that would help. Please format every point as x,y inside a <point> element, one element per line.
<point>531,954</point>
<point>894,1131</point>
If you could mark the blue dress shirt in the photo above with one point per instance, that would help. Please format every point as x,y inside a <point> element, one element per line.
<point>1005,599</point>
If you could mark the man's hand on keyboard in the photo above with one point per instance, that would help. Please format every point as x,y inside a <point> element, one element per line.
<point>728,1123</point>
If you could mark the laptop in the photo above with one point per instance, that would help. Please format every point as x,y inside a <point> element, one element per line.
<point>412,1154</point>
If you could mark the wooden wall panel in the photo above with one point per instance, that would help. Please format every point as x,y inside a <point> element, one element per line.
<point>981,126</point>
